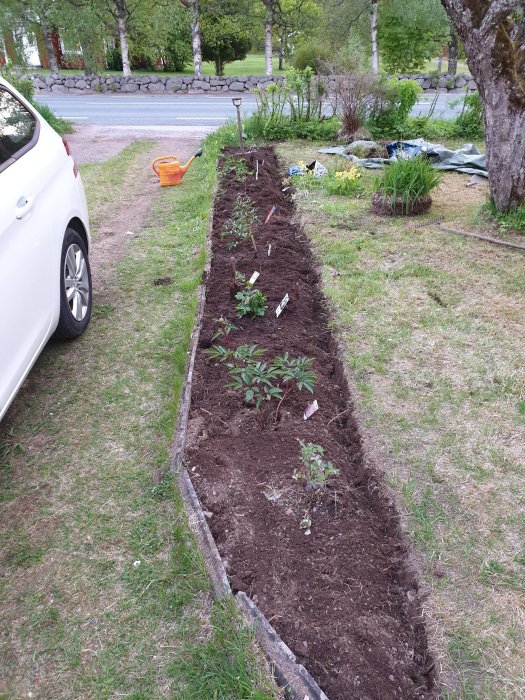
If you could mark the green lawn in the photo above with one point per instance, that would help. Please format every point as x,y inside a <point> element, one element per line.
<point>104,591</point>
<point>253,64</point>
<point>431,329</point>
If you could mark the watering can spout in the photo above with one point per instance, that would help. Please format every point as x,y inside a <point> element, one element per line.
<point>187,165</point>
<point>170,171</point>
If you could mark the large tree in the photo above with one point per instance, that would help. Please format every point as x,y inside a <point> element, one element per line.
<point>193,7</point>
<point>224,39</point>
<point>411,33</point>
<point>493,33</point>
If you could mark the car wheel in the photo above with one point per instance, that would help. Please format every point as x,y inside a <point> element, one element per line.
<point>75,287</point>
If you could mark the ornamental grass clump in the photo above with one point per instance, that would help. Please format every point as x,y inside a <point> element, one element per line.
<point>405,186</point>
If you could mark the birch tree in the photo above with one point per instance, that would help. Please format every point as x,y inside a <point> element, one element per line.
<point>493,33</point>
<point>193,7</point>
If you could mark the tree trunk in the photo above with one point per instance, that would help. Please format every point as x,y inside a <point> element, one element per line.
<point>40,47</point>
<point>373,36</point>
<point>268,26</point>
<point>51,57</point>
<point>494,47</point>
<point>505,140</point>
<point>124,52</point>
<point>196,40</point>
<point>57,48</point>
<point>281,52</point>
<point>452,67</point>
<point>10,46</point>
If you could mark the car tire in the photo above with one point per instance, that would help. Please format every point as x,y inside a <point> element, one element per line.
<point>75,287</point>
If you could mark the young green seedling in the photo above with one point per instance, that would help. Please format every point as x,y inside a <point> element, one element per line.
<point>315,471</point>
<point>225,328</point>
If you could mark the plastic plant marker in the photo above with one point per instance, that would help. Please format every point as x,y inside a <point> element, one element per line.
<point>280,308</point>
<point>257,171</point>
<point>270,214</point>
<point>269,249</point>
<point>253,278</point>
<point>311,409</point>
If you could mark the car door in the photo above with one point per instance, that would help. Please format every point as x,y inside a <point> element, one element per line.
<point>26,227</point>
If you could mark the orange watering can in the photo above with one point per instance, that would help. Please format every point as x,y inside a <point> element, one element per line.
<point>170,171</point>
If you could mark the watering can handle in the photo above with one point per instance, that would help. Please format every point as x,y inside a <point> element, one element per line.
<point>162,159</point>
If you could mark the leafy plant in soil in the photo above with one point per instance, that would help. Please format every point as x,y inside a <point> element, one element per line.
<point>252,302</point>
<point>225,328</point>
<point>315,471</point>
<point>263,381</point>
<point>244,216</point>
<point>405,186</point>
<point>238,168</point>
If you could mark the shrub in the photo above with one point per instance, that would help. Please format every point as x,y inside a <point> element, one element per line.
<point>114,59</point>
<point>470,123</point>
<point>310,56</point>
<point>355,96</point>
<point>406,182</point>
<point>303,96</point>
<point>389,116</point>
<point>62,126</point>
<point>71,60</point>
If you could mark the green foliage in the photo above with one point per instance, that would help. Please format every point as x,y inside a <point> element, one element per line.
<point>252,302</point>
<point>512,220</point>
<point>238,168</point>
<point>411,33</point>
<point>244,216</point>
<point>114,59</point>
<point>224,39</point>
<point>61,126</point>
<point>263,381</point>
<point>315,470</point>
<point>225,328</point>
<point>470,122</point>
<point>310,55</point>
<point>25,87</point>
<point>408,180</point>
<point>343,182</point>
<point>292,109</point>
<point>389,117</point>
<point>177,49</point>
<point>296,372</point>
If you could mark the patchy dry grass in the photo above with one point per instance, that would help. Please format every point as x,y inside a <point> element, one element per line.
<point>104,593</point>
<point>431,327</point>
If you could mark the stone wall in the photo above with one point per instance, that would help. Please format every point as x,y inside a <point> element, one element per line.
<point>158,84</point>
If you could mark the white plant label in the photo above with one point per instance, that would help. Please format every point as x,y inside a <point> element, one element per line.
<point>253,278</point>
<point>311,409</point>
<point>269,249</point>
<point>280,308</point>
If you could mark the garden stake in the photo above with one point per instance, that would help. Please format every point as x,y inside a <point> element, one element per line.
<point>257,170</point>
<point>237,101</point>
<point>270,214</point>
<point>269,249</point>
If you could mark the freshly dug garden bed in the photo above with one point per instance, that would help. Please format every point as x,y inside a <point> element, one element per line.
<point>344,597</point>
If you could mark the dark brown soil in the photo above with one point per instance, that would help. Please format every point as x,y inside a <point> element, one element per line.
<point>344,597</point>
<point>387,206</point>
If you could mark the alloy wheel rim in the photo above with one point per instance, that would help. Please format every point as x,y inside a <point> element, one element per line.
<point>76,282</point>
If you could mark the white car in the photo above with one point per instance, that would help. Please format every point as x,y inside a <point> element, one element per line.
<point>45,277</point>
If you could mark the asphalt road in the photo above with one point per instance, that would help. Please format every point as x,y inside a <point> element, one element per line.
<point>185,111</point>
